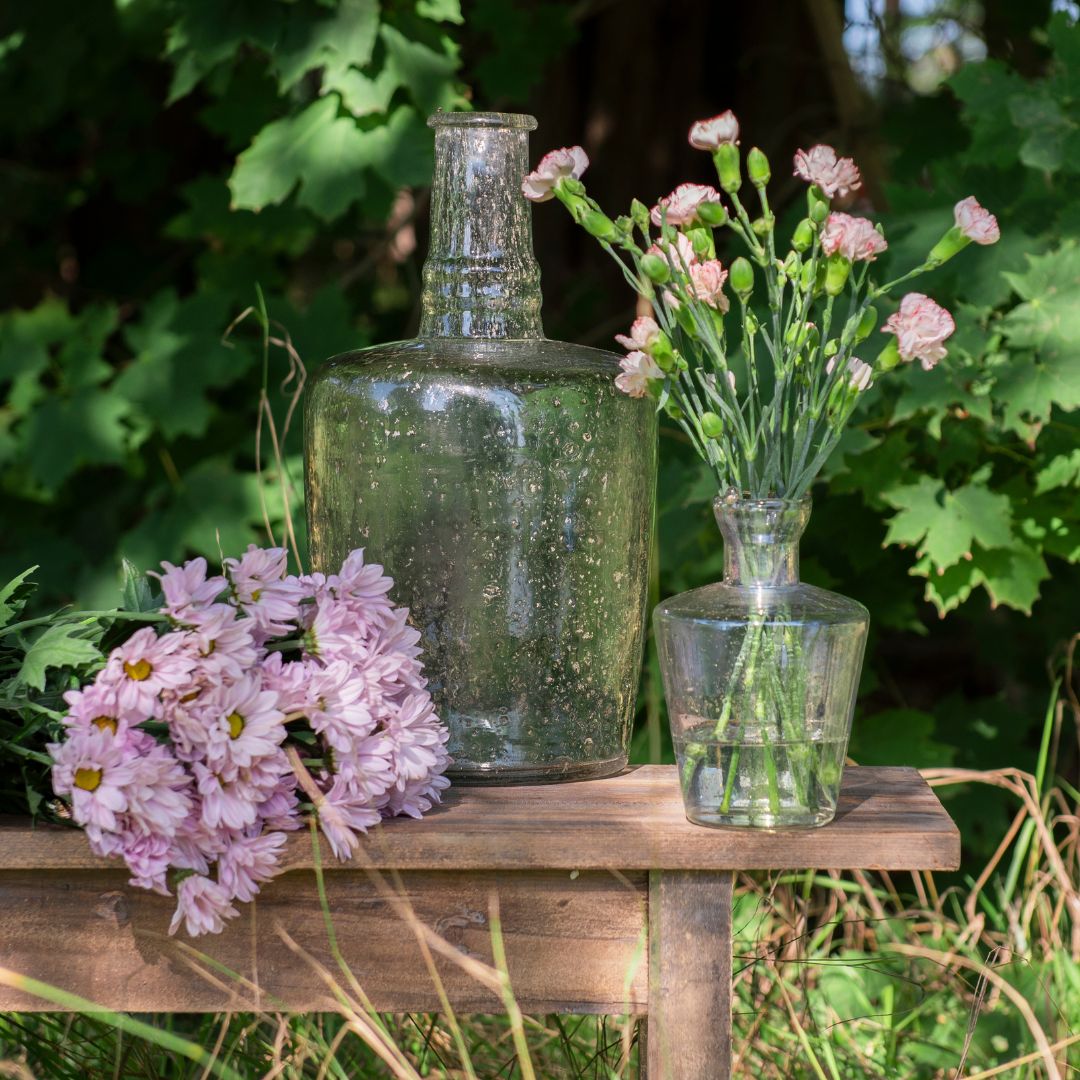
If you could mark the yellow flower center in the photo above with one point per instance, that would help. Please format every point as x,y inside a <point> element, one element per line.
<point>210,648</point>
<point>255,596</point>
<point>189,697</point>
<point>87,779</point>
<point>104,723</point>
<point>236,725</point>
<point>138,671</point>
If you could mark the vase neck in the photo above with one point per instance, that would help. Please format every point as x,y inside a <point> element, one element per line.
<point>481,279</point>
<point>761,540</point>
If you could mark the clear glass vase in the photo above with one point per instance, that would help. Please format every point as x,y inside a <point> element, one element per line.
<point>503,482</point>
<point>760,674</point>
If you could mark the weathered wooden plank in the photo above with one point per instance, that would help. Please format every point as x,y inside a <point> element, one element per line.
<point>689,1022</point>
<point>574,944</point>
<point>888,819</point>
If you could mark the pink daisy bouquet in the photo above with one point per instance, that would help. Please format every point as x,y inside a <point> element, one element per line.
<point>763,397</point>
<point>259,697</point>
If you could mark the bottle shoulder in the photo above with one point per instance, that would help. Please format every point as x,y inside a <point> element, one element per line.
<point>517,356</point>
<point>800,603</point>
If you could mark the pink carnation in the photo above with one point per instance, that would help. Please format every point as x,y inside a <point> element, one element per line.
<point>860,375</point>
<point>706,284</point>
<point>853,237</point>
<point>570,161</point>
<point>711,133</point>
<point>921,327</point>
<point>643,334</point>
<point>820,165</point>
<point>681,206</point>
<point>637,369</point>
<point>976,222</point>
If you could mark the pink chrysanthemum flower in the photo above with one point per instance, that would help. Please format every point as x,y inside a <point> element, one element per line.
<point>637,369</point>
<point>202,907</point>
<point>853,237</point>
<point>94,770</point>
<point>644,333</point>
<point>158,799</point>
<point>187,589</point>
<point>714,132</point>
<point>681,206</point>
<point>416,733</point>
<point>834,175</point>
<point>343,812</point>
<point>247,725</point>
<point>263,591</point>
<point>921,327</point>
<point>554,166</point>
<point>223,643</point>
<point>976,222</point>
<point>247,862</point>
<point>147,857</point>
<point>97,706</point>
<point>144,666</point>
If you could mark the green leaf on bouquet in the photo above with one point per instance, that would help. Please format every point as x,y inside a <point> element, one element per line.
<point>13,596</point>
<point>943,525</point>
<point>57,647</point>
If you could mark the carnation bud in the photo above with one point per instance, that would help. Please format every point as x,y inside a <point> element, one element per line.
<point>673,410</point>
<point>655,268</point>
<point>712,427</point>
<point>837,274</point>
<point>570,185</point>
<point>889,357</point>
<point>806,278</point>
<point>804,235</point>
<point>762,225</point>
<point>815,196</point>
<point>792,264</point>
<point>867,322</point>
<point>757,168</point>
<point>953,242</point>
<point>702,243</point>
<point>831,347</point>
<point>726,160</point>
<point>640,213</point>
<point>661,351</point>
<point>751,323</point>
<point>598,224</point>
<point>712,213</point>
<point>819,212</point>
<point>741,278</point>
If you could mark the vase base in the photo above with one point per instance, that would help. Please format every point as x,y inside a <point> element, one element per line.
<point>555,773</point>
<point>788,819</point>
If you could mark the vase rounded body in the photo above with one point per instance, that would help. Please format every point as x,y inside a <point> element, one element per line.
<point>760,676</point>
<point>502,481</point>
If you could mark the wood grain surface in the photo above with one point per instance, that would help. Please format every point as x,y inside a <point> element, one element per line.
<point>689,1024</point>
<point>888,819</point>
<point>573,944</point>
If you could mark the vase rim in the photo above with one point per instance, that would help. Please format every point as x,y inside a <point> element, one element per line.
<point>513,121</point>
<point>733,500</point>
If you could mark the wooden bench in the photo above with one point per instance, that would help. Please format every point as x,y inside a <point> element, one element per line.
<point>610,902</point>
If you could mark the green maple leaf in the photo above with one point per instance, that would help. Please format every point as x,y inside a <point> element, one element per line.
<point>1044,333</point>
<point>179,357</point>
<point>943,525</point>
<point>57,647</point>
<point>324,153</point>
<point>1062,471</point>
<point>346,37</point>
<point>1011,576</point>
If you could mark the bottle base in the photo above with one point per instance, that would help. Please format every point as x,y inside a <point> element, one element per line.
<point>555,773</point>
<point>757,819</point>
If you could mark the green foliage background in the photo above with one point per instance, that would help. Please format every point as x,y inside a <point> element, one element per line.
<point>159,159</point>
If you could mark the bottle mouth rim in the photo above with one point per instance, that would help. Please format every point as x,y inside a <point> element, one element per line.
<point>512,121</point>
<point>741,502</point>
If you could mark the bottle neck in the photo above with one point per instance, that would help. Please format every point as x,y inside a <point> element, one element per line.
<point>480,278</point>
<point>761,540</point>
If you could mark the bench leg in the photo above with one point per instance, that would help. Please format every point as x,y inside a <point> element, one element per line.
<point>688,1031</point>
